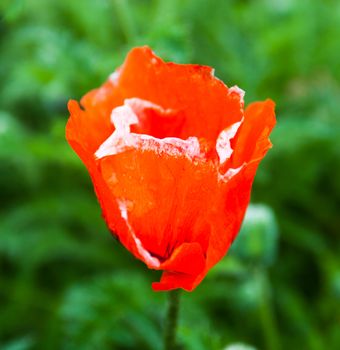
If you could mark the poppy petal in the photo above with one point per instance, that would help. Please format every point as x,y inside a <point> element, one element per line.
<point>206,104</point>
<point>251,141</point>
<point>170,281</point>
<point>86,128</point>
<point>172,156</point>
<point>172,195</point>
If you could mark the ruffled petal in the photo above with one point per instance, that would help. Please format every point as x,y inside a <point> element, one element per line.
<point>252,139</point>
<point>173,164</point>
<point>188,258</point>
<point>86,129</point>
<point>171,280</point>
<point>154,120</point>
<point>164,190</point>
<point>206,104</point>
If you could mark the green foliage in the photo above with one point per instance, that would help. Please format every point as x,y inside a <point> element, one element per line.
<point>103,314</point>
<point>64,282</point>
<point>239,347</point>
<point>258,238</point>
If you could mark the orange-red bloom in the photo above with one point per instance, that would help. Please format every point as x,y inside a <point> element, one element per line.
<point>172,155</point>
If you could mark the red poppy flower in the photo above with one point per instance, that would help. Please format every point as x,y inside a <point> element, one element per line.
<point>172,155</point>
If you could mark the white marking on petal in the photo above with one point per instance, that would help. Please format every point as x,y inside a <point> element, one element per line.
<point>121,117</point>
<point>114,77</point>
<point>149,259</point>
<point>223,146</point>
<point>230,173</point>
<point>121,139</point>
<point>237,90</point>
<point>139,104</point>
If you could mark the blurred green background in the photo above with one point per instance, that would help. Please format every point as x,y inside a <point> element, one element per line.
<point>64,282</point>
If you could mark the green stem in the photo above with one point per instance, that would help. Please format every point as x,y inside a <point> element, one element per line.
<point>171,320</point>
<point>271,335</point>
